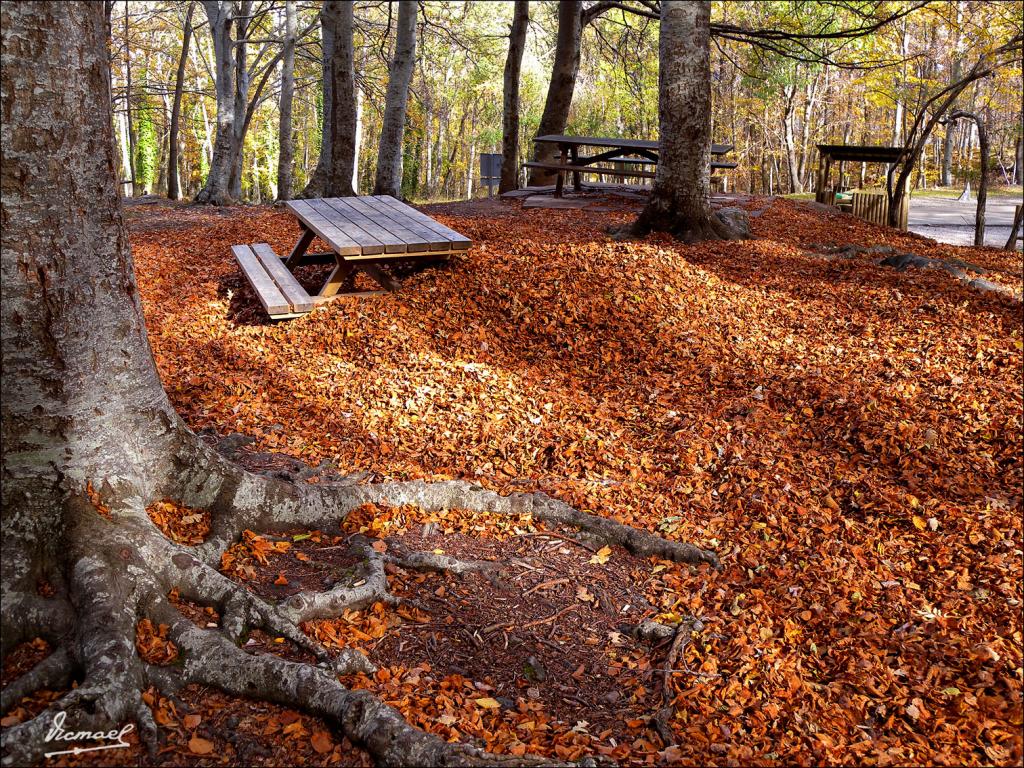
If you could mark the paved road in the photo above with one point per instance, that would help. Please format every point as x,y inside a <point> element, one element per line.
<point>949,221</point>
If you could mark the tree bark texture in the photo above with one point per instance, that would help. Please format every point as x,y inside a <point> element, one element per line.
<point>510,103</point>
<point>388,179</point>
<point>679,200</point>
<point>342,107</point>
<point>328,32</point>
<point>286,145</point>
<point>216,190</point>
<point>173,190</point>
<point>132,140</point>
<point>241,97</point>
<point>561,87</point>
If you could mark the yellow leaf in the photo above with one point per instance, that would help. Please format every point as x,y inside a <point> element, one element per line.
<point>488,703</point>
<point>919,522</point>
<point>601,556</point>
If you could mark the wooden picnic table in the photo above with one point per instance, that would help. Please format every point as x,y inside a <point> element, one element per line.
<point>638,151</point>
<point>362,233</point>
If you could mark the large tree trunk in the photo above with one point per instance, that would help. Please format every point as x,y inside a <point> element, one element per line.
<point>388,180</point>
<point>216,190</point>
<point>561,87</point>
<point>90,439</point>
<point>179,83</point>
<point>286,145</point>
<point>679,201</point>
<point>328,31</point>
<point>342,107</point>
<point>510,104</point>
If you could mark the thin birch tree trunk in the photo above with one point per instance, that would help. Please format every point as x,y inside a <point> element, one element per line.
<point>241,97</point>
<point>328,31</point>
<point>173,186</point>
<point>220,14</point>
<point>388,179</point>
<point>286,144</point>
<point>358,140</point>
<point>510,103</point>
<point>132,141</point>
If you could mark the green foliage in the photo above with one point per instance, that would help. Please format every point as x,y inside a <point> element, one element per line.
<point>147,148</point>
<point>455,106</point>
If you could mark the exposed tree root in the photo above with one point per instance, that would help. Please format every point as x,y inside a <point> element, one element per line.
<point>964,272</point>
<point>54,672</point>
<point>368,585</point>
<point>665,215</point>
<point>123,568</point>
<point>431,561</point>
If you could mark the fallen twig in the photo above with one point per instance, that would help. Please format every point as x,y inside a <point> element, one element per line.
<point>545,585</point>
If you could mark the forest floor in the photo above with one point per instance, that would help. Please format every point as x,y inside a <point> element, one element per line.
<point>846,436</point>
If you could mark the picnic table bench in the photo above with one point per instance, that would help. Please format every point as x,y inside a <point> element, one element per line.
<point>362,233</point>
<point>637,151</point>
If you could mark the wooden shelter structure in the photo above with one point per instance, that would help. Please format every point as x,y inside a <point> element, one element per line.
<point>871,206</point>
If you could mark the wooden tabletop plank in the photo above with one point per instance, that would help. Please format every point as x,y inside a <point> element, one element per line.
<point>611,141</point>
<point>368,243</point>
<point>417,235</point>
<point>368,209</point>
<point>344,211</point>
<point>417,232</point>
<point>458,242</point>
<point>339,241</point>
<point>286,282</point>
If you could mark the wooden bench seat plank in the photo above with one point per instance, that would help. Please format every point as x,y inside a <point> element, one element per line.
<point>589,169</point>
<point>266,289</point>
<point>416,238</point>
<point>391,242</point>
<point>597,170</point>
<point>295,294</point>
<point>339,241</point>
<point>368,244</point>
<point>458,242</point>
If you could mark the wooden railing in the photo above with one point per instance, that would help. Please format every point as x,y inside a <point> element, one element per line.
<point>874,207</point>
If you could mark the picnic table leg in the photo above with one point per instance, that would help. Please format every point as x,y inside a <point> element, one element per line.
<point>337,278</point>
<point>345,272</point>
<point>560,180</point>
<point>576,185</point>
<point>381,277</point>
<point>300,247</point>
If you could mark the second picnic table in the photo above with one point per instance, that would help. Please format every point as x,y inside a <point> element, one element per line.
<point>638,151</point>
